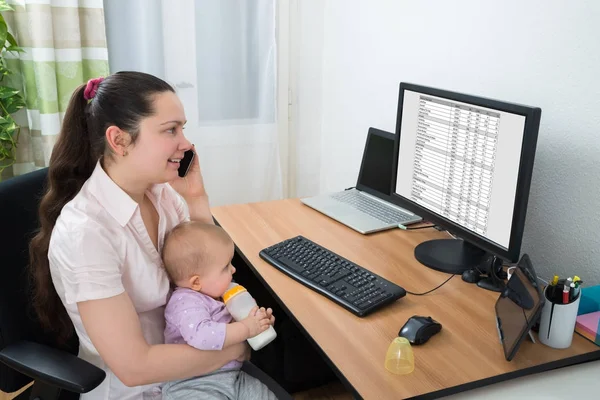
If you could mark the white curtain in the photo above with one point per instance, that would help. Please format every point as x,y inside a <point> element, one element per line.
<point>221,57</point>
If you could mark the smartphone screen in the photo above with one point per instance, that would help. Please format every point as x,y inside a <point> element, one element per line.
<point>186,163</point>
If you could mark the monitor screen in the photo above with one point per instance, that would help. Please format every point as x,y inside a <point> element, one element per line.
<point>465,162</point>
<point>461,161</point>
<point>376,169</point>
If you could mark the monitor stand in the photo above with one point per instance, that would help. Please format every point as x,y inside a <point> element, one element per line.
<point>453,256</point>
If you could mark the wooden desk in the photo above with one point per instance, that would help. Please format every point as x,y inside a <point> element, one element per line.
<point>464,355</point>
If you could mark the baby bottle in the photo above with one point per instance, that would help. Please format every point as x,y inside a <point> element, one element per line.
<point>239,303</point>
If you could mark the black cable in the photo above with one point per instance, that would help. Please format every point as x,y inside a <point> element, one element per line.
<point>429,291</point>
<point>350,188</point>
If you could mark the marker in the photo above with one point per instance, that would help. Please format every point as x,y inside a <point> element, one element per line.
<point>565,294</point>
<point>401,226</point>
<point>555,280</point>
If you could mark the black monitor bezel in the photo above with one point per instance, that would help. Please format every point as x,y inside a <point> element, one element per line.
<point>532,120</point>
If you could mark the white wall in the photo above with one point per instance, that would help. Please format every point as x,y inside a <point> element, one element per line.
<point>539,53</point>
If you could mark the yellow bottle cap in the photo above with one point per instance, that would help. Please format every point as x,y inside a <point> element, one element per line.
<point>232,292</point>
<point>399,358</point>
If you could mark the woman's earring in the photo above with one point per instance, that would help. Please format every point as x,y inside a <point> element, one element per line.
<point>125,153</point>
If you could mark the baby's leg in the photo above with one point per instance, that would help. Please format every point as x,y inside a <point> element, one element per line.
<point>250,388</point>
<point>217,386</point>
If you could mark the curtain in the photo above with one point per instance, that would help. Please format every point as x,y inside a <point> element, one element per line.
<point>221,57</point>
<point>65,45</point>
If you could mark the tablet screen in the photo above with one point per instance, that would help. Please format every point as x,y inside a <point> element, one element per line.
<point>518,307</point>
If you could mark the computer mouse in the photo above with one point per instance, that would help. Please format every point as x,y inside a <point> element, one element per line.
<point>471,276</point>
<point>419,329</point>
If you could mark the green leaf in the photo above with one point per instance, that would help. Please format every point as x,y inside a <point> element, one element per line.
<point>13,105</point>
<point>6,136</point>
<point>15,48</point>
<point>6,92</point>
<point>11,39</point>
<point>13,43</point>
<point>5,7</point>
<point>3,31</point>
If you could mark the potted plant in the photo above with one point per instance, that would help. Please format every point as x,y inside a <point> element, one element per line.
<point>11,99</point>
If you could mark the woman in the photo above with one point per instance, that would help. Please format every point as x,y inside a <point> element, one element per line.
<point>96,260</point>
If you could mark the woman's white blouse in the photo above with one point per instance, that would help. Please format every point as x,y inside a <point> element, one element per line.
<point>100,248</point>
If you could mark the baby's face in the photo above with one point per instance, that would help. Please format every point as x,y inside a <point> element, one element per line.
<point>217,276</point>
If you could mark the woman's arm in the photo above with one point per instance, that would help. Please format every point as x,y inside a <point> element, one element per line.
<point>114,329</point>
<point>199,209</point>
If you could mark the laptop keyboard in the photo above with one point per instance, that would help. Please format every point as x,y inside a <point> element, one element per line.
<point>372,207</point>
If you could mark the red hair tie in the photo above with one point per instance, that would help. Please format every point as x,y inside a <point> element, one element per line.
<point>91,88</point>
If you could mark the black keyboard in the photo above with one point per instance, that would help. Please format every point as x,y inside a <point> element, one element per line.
<point>349,285</point>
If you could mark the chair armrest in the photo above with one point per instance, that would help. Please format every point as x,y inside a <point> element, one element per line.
<point>52,366</point>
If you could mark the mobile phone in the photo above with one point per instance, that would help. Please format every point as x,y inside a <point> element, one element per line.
<point>186,163</point>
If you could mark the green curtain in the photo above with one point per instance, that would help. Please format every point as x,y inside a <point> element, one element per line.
<point>65,45</point>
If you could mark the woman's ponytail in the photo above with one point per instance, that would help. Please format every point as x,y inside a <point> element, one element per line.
<point>71,164</point>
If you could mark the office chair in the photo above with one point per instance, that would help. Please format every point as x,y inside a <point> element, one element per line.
<point>26,352</point>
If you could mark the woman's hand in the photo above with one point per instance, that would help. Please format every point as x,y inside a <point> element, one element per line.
<point>192,185</point>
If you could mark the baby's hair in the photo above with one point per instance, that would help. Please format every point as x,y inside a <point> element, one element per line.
<point>189,245</point>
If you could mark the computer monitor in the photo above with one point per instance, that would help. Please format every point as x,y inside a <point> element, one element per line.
<point>464,163</point>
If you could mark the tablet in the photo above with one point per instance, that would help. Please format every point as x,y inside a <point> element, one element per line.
<point>519,307</point>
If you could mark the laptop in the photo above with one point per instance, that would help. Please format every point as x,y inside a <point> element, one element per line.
<point>366,208</point>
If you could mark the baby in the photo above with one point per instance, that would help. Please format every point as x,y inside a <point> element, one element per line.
<point>197,258</point>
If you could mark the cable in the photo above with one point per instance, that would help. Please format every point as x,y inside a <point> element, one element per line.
<point>350,188</point>
<point>435,288</point>
<point>420,227</point>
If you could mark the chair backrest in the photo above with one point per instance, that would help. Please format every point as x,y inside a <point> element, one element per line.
<point>19,201</point>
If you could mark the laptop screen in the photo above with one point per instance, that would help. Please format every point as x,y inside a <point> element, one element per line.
<point>376,169</point>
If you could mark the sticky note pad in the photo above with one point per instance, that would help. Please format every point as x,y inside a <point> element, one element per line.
<point>588,326</point>
<point>590,300</point>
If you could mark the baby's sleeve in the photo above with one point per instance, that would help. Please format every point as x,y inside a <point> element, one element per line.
<point>195,325</point>
<point>87,263</point>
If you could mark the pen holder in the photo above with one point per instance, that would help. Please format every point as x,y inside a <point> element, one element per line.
<point>557,323</point>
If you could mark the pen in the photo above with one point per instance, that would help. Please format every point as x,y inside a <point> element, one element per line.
<point>565,298</point>
<point>572,292</point>
<point>553,288</point>
<point>577,289</point>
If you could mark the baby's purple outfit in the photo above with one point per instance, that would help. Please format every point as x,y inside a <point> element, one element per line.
<point>198,320</point>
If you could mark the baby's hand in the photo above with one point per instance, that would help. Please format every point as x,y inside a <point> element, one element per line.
<point>257,321</point>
